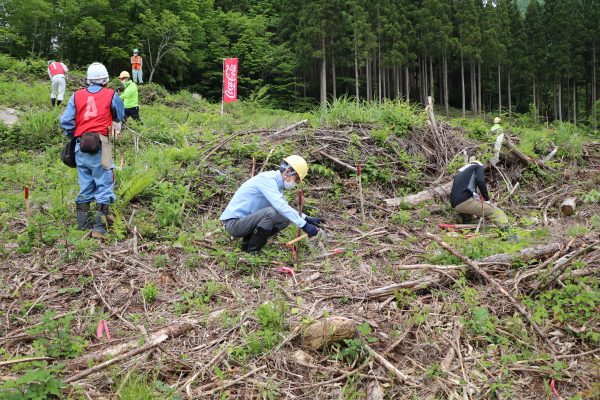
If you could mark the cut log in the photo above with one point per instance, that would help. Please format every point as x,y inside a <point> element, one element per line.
<point>523,254</point>
<point>417,198</point>
<point>567,207</point>
<point>326,331</point>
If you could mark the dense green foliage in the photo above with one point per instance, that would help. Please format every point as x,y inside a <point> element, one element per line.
<point>509,53</point>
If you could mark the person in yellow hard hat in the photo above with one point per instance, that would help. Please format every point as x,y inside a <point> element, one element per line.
<point>259,209</point>
<point>130,97</point>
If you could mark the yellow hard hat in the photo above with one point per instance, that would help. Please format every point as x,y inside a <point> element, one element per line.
<point>124,74</point>
<point>497,120</point>
<point>298,164</point>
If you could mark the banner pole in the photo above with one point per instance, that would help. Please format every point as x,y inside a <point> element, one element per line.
<point>223,90</point>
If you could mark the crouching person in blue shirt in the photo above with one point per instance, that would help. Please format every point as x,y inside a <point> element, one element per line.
<point>88,117</point>
<point>259,209</point>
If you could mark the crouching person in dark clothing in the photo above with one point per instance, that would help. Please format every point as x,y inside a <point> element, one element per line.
<point>466,201</point>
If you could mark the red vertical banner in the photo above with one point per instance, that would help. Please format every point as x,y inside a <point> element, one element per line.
<point>230,75</point>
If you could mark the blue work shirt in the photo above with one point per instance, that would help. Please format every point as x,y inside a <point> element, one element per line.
<point>67,120</point>
<point>261,191</point>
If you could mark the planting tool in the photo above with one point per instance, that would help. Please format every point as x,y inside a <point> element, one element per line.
<point>294,241</point>
<point>452,227</point>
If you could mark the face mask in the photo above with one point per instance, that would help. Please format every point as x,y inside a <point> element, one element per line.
<point>289,185</point>
<point>123,82</point>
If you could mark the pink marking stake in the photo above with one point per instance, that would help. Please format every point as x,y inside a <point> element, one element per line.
<point>102,328</point>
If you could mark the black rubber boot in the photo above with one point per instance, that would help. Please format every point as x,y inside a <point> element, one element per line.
<point>53,102</point>
<point>83,216</point>
<point>58,102</point>
<point>258,240</point>
<point>99,229</point>
<point>245,242</point>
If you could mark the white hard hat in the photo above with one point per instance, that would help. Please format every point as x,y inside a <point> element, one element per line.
<point>497,120</point>
<point>97,71</point>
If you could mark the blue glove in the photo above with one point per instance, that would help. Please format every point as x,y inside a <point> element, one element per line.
<point>310,229</point>
<point>316,221</point>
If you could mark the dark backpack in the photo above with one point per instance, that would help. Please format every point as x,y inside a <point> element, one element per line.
<point>68,153</point>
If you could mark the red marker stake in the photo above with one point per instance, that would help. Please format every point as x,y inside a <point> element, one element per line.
<point>27,209</point>
<point>360,191</point>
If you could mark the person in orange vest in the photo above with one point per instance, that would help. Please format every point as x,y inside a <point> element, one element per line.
<point>57,72</point>
<point>88,118</point>
<point>136,67</point>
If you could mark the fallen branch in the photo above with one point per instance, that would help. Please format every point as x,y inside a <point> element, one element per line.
<point>22,360</point>
<point>231,383</point>
<point>115,360</point>
<point>337,161</point>
<point>522,156</point>
<point>520,308</point>
<point>417,284</point>
<point>417,198</point>
<point>156,337</point>
<point>389,366</point>
<point>291,127</point>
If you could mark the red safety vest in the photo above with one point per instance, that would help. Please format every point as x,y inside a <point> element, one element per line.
<point>92,111</point>
<point>56,68</point>
<point>136,62</point>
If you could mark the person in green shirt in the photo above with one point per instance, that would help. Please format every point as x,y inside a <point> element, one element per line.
<point>130,97</point>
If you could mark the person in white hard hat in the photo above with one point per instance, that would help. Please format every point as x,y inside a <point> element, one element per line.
<point>259,209</point>
<point>57,71</point>
<point>89,118</point>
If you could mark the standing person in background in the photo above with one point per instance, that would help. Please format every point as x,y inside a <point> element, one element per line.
<point>57,72</point>
<point>499,131</point>
<point>130,97</point>
<point>136,67</point>
<point>89,118</point>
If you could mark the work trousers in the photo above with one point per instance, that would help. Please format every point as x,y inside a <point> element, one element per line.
<point>267,218</point>
<point>479,209</point>
<point>58,87</point>
<point>133,112</point>
<point>136,75</point>
<point>95,182</point>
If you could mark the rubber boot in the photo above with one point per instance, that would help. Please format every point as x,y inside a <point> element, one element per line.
<point>53,102</point>
<point>58,102</point>
<point>99,229</point>
<point>245,242</point>
<point>83,216</point>
<point>258,240</point>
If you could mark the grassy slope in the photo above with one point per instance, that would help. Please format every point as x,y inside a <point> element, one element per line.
<point>191,161</point>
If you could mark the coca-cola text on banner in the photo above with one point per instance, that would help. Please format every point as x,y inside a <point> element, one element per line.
<point>230,73</point>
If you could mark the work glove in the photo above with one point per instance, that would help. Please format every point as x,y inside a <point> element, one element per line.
<point>316,221</point>
<point>310,229</point>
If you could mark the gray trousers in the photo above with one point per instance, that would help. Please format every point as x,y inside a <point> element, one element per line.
<point>267,218</point>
